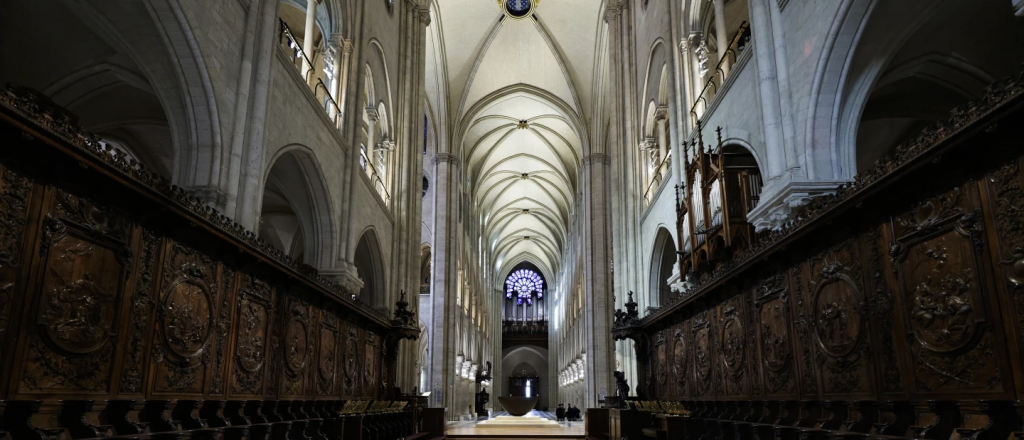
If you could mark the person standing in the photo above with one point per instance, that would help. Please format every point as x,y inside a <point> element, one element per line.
<point>560,413</point>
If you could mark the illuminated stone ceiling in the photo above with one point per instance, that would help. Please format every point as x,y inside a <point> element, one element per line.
<point>518,93</point>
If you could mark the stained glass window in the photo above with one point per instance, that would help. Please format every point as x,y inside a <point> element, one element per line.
<point>524,285</point>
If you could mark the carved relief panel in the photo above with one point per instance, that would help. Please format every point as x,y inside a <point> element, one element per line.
<point>186,321</point>
<point>327,365</point>
<point>837,311</point>
<point>703,362</point>
<point>133,364</point>
<point>732,348</point>
<point>679,360</point>
<point>371,349</point>
<point>774,340</point>
<point>937,256</point>
<point>15,191</point>
<point>351,366</point>
<point>297,343</point>
<point>1006,195</point>
<point>252,327</point>
<point>86,262</point>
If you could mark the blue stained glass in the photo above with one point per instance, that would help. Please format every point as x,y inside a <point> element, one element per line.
<point>524,285</point>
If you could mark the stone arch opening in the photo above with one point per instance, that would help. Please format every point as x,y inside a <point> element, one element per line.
<point>370,266</point>
<point>295,214</point>
<point>662,262</point>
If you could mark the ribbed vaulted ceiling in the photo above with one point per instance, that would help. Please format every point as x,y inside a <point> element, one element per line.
<point>519,90</point>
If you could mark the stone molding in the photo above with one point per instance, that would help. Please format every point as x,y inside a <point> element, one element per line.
<point>597,157</point>
<point>449,158</point>
<point>424,16</point>
<point>613,10</point>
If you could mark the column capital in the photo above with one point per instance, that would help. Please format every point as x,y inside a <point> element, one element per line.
<point>597,157</point>
<point>424,15</point>
<point>661,113</point>
<point>371,114</point>
<point>648,144</point>
<point>449,158</point>
<point>613,9</point>
<point>340,44</point>
<point>386,144</point>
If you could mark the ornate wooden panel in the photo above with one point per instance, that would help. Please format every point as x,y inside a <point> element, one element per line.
<point>881,308</point>
<point>252,330</point>
<point>185,321</point>
<point>351,363</point>
<point>15,191</point>
<point>703,354</point>
<point>327,364</point>
<point>133,364</point>
<point>297,346</point>
<point>731,335</point>
<point>937,256</point>
<point>661,358</point>
<point>1007,215</point>
<point>774,338</point>
<point>803,327</point>
<point>837,309</point>
<point>680,360</point>
<point>371,363</point>
<point>85,258</point>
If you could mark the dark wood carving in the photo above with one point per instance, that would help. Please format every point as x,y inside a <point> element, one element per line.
<point>895,306</point>
<point>85,262</point>
<point>776,345</point>
<point>128,308</point>
<point>251,336</point>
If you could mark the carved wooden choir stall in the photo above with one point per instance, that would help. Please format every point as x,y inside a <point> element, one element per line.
<point>129,308</point>
<point>894,307</point>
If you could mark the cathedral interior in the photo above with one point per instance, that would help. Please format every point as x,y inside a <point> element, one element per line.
<point>683,219</point>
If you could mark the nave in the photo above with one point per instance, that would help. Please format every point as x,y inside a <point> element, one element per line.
<point>637,219</point>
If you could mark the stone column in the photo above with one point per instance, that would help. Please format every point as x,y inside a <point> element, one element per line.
<point>597,258</point>
<point>245,164</point>
<point>447,168</point>
<point>768,86</point>
<point>722,39</point>
<point>626,192</point>
<point>371,129</point>
<point>661,119</point>
<point>352,121</point>
<point>307,36</point>
<point>339,50</point>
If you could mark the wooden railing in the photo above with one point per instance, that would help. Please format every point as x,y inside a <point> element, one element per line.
<point>740,41</point>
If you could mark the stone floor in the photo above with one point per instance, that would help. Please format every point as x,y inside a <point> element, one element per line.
<point>471,430</point>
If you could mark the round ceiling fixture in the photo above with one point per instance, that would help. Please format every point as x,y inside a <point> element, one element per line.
<point>518,9</point>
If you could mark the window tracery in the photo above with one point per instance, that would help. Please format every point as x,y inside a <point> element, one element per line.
<point>524,285</point>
